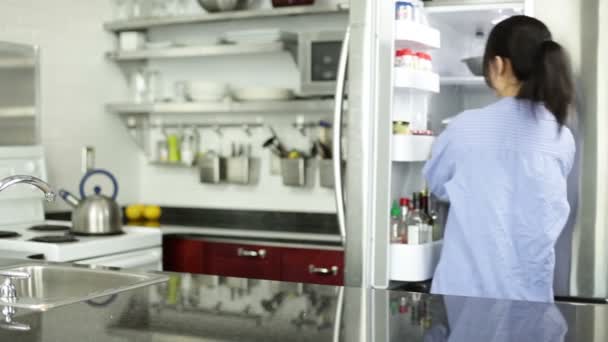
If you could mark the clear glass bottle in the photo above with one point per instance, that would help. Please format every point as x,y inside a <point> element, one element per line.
<point>395,237</point>
<point>426,230</point>
<point>414,222</point>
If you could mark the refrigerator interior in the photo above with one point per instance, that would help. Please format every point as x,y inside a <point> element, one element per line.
<point>459,90</point>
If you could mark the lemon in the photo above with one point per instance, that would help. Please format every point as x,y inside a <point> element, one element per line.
<point>134,212</point>
<point>152,212</point>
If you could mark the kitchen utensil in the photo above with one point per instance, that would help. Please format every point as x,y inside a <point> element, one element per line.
<point>241,168</point>
<point>222,5</point>
<point>293,171</point>
<point>262,94</point>
<point>475,65</point>
<point>212,168</point>
<point>275,146</point>
<point>283,3</point>
<point>95,214</point>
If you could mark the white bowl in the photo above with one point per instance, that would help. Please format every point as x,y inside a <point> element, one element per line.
<point>262,94</point>
<point>207,91</point>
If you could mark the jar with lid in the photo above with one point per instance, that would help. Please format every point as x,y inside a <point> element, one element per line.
<point>404,10</point>
<point>399,62</point>
<point>408,58</point>
<point>401,128</point>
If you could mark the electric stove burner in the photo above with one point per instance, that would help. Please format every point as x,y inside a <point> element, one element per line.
<point>55,238</point>
<point>49,228</point>
<point>5,234</point>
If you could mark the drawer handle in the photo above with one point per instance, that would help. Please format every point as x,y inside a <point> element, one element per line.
<point>242,252</point>
<point>322,270</point>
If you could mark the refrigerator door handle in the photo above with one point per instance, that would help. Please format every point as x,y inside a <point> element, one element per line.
<point>337,133</point>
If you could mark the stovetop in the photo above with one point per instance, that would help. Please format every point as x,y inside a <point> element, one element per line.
<point>60,245</point>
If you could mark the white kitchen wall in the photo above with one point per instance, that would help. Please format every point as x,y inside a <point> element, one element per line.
<point>76,81</point>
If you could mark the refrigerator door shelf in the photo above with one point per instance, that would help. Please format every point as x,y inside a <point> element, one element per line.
<point>414,262</point>
<point>412,148</point>
<point>416,79</point>
<point>416,36</point>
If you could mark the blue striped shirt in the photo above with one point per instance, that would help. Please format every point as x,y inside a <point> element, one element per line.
<point>504,169</point>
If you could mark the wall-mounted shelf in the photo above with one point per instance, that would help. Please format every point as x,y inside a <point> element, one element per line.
<point>293,106</point>
<point>203,17</point>
<point>411,148</point>
<point>17,63</point>
<point>178,165</point>
<point>416,36</point>
<point>467,81</point>
<point>197,51</point>
<point>416,79</point>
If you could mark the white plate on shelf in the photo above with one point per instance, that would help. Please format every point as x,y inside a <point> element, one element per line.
<point>159,45</point>
<point>262,94</point>
<point>252,36</point>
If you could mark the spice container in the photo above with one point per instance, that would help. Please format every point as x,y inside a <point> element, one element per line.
<point>401,127</point>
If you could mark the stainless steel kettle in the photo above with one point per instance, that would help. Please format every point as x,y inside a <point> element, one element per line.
<point>95,214</point>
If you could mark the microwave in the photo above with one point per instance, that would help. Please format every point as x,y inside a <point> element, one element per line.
<point>317,55</point>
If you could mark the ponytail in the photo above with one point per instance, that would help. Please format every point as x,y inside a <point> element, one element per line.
<point>540,64</point>
<point>550,81</point>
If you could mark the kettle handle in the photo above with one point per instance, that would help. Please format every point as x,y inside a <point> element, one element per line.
<point>102,172</point>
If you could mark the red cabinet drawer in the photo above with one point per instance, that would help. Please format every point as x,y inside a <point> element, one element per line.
<point>313,266</point>
<point>183,255</point>
<point>246,261</point>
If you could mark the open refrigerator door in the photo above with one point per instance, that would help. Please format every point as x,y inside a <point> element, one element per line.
<point>427,69</point>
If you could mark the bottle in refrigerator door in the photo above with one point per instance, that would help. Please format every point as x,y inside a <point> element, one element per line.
<point>437,229</point>
<point>395,220</point>
<point>405,206</point>
<point>414,222</point>
<point>404,10</point>
<point>426,228</point>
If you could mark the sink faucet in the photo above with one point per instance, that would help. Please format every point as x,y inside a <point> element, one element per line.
<point>7,182</point>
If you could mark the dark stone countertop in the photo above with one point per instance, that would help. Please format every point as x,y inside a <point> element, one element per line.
<point>211,308</point>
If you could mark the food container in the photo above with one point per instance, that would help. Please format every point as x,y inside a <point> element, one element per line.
<point>401,127</point>
<point>404,10</point>
<point>282,3</point>
<point>212,168</point>
<point>242,170</point>
<point>326,173</point>
<point>297,172</point>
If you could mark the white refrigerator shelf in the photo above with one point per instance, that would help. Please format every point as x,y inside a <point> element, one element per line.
<point>416,79</point>
<point>414,262</point>
<point>411,148</point>
<point>416,36</point>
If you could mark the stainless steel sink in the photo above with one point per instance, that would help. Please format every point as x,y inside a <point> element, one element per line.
<point>54,285</point>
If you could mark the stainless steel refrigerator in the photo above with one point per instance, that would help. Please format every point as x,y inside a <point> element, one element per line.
<point>380,167</point>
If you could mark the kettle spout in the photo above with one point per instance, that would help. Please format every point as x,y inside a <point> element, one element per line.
<point>70,199</point>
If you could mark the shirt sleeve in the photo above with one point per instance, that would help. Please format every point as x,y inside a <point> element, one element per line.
<point>439,170</point>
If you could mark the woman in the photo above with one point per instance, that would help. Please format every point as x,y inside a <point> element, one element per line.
<point>503,168</point>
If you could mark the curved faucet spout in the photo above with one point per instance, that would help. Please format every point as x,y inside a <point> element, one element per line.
<point>7,182</point>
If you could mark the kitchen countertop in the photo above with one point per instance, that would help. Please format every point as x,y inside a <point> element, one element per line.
<point>204,308</point>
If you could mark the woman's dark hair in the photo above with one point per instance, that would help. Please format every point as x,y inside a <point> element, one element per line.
<point>538,62</point>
